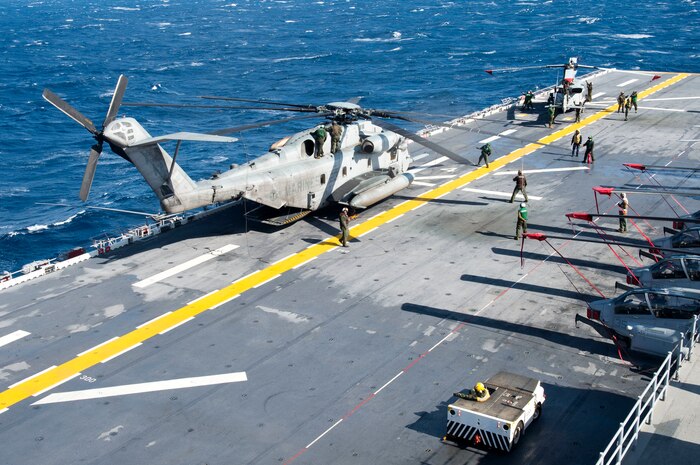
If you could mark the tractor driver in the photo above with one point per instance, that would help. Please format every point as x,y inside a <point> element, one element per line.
<point>479,393</point>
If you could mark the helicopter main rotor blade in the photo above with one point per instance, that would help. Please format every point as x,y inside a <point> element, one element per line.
<point>154,216</point>
<point>245,127</point>
<point>266,102</point>
<point>89,175</point>
<point>69,110</point>
<point>519,68</point>
<point>116,100</point>
<point>420,140</point>
<point>215,107</point>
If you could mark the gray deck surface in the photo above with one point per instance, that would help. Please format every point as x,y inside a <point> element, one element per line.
<point>352,358</point>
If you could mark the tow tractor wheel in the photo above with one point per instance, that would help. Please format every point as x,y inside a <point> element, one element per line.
<point>518,432</point>
<point>538,412</point>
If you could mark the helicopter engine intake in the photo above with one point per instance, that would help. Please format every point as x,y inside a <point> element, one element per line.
<point>379,143</point>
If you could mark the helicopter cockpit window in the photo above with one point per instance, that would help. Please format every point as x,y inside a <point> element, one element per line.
<point>323,178</point>
<point>633,304</point>
<point>686,239</point>
<point>692,265</point>
<point>673,307</point>
<point>576,90</point>
<point>308,147</point>
<point>668,269</point>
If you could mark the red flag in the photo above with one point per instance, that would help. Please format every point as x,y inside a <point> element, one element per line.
<point>580,216</point>
<point>536,236</point>
<point>490,71</point>
<point>603,190</point>
<point>656,76</point>
<point>636,166</point>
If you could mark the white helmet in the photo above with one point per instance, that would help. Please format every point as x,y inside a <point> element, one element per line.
<point>523,205</point>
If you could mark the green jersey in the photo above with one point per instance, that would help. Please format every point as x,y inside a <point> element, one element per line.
<point>523,213</point>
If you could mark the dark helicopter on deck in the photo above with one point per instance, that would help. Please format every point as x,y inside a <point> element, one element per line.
<point>568,93</point>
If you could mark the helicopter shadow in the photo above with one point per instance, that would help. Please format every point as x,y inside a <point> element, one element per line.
<point>548,291</point>
<point>556,259</point>
<point>563,339</point>
<point>227,221</point>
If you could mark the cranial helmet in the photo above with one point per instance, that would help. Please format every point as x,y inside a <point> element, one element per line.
<point>479,386</point>
<point>523,205</point>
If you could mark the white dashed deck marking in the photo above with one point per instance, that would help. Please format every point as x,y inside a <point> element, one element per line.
<point>185,266</point>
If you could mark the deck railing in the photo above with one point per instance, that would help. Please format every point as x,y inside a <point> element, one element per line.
<point>628,433</point>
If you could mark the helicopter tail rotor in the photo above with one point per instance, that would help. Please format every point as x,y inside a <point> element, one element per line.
<point>85,122</point>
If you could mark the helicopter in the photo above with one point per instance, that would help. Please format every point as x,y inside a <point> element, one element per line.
<point>370,164</point>
<point>568,93</point>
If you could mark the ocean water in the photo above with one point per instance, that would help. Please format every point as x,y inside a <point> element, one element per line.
<point>404,55</point>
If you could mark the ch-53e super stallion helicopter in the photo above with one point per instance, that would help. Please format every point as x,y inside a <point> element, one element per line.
<point>370,164</point>
<point>568,93</point>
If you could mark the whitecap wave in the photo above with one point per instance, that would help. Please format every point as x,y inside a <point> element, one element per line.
<point>588,20</point>
<point>37,227</point>
<point>69,219</point>
<point>185,34</point>
<point>310,57</point>
<point>634,36</point>
<point>125,8</point>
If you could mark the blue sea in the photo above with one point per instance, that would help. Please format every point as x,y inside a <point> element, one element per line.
<point>405,55</point>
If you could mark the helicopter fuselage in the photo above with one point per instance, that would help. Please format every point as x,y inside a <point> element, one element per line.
<point>369,159</point>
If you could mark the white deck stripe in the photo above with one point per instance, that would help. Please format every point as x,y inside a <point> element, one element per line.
<point>420,157</point>
<point>421,183</point>
<point>669,98</point>
<point>185,266</point>
<point>154,319</point>
<point>500,194</point>
<point>98,345</point>
<point>140,388</point>
<point>12,337</point>
<point>388,383</point>
<point>177,325</point>
<point>547,170</point>
<point>627,82</point>
<point>488,139</point>
<point>122,352</point>
<point>304,263</point>
<point>202,297</point>
<point>507,132</point>
<point>437,176</point>
<point>225,301</point>
<point>30,377</point>
<point>267,281</point>
<point>437,161</point>
<point>54,385</point>
<point>324,433</point>
<point>663,109</point>
<point>598,94</point>
<point>367,232</point>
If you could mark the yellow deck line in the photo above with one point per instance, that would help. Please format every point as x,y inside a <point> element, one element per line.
<point>71,368</point>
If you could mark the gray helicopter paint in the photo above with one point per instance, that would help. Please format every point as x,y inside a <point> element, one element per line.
<point>288,177</point>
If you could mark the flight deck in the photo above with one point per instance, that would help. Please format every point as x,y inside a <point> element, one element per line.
<point>226,341</point>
